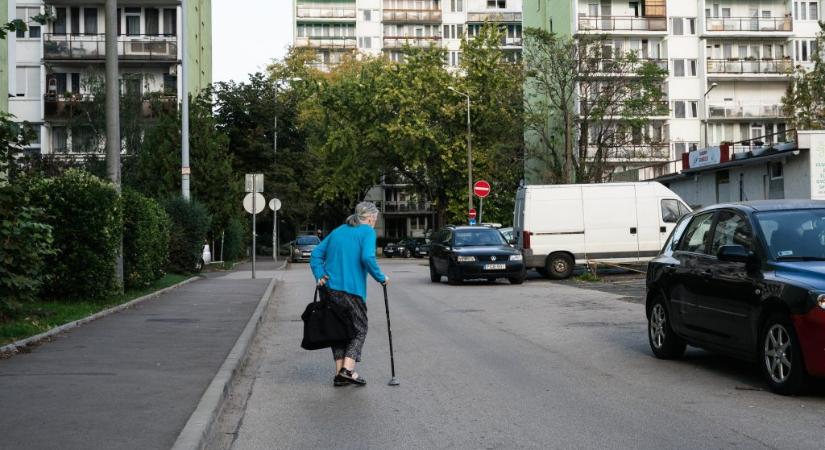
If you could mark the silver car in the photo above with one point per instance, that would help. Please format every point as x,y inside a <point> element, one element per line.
<point>302,247</point>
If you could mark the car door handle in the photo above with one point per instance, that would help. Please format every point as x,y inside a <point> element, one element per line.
<point>662,229</point>
<point>632,230</point>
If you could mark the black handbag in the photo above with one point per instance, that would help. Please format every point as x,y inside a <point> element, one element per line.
<point>325,323</point>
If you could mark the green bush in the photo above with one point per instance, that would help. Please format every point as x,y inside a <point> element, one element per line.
<point>145,239</point>
<point>25,243</point>
<point>190,222</point>
<point>86,217</point>
<point>233,240</point>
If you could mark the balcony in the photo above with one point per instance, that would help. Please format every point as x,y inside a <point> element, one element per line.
<point>749,66</point>
<point>412,15</point>
<point>611,67</point>
<point>314,13</point>
<point>67,47</point>
<point>56,108</point>
<point>639,153</point>
<point>412,41</point>
<point>749,24</point>
<point>405,207</point>
<point>745,111</point>
<point>616,109</point>
<point>495,17</point>
<point>327,42</point>
<point>623,24</point>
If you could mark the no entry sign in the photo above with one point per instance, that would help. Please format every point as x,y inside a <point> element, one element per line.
<point>481,188</point>
<point>472,213</point>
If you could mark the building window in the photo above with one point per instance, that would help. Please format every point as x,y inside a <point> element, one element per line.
<point>456,5</point>
<point>89,21</point>
<point>27,82</point>
<point>132,21</point>
<point>152,21</point>
<point>775,170</point>
<point>685,109</point>
<point>170,22</point>
<point>60,139</point>
<point>367,15</point>
<point>684,67</point>
<point>682,26</point>
<point>501,4</point>
<point>813,11</point>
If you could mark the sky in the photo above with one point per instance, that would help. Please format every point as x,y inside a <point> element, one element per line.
<point>247,35</point>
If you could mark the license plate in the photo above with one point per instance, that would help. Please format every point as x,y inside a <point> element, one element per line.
<point>306,254</point>
<point>494,267</point>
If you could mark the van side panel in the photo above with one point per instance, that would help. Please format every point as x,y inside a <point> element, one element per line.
<point>554,218</point>
<point>611,227</point>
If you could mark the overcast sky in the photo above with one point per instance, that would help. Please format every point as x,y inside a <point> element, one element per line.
<point>247,35</point>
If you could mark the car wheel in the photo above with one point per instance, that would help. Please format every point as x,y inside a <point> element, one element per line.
<point>406,254</point>
<point>517,280</point>
<point>453,277</point>
<point>780,356</point>
<point>434,276</point>
<point>663,341</point>
<point>559,266</point>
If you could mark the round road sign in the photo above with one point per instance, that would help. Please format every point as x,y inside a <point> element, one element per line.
<point>275,204</point>
<point>472,213</point>
<point>260,203</point>
<point>481,188</point>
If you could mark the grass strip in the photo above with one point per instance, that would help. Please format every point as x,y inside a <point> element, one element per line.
<point>35,318</point>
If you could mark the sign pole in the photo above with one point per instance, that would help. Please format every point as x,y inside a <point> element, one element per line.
<point>275,236</point>
<point>254,216</point>
<point>480,209</point>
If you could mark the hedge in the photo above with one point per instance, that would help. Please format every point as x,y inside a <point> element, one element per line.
<point>233,240</point>
<point>145,239</point>
<point>85,214</point>
<point>190,223</point>
<point>25,243</point>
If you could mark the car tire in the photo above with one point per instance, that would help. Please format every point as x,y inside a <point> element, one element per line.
<point>517,280</point>
<point>559,266</point>
<point>406,254</point>
<point>785,373</point>
<point>434,276</point>
<point>452,276</point>
<point>663,341</point>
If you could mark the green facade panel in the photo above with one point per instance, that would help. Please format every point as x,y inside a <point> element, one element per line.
<point>4,61</point>
<point>199,44</point>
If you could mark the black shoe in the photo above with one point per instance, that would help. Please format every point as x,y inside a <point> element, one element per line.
<point>346,376</point>
<point>339,381</point>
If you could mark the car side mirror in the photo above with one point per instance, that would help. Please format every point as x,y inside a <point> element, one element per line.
<point>734,253</point>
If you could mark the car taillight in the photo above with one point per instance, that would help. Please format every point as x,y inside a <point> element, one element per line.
<point>525,239</point>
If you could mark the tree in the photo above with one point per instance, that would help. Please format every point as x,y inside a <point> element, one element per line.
<point>599,102</point>
<point>155,170</point>
<point>804,100</point>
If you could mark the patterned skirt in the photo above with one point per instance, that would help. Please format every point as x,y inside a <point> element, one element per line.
<point>358,311</point>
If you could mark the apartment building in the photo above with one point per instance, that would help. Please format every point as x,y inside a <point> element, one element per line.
<point>53,68</point>
<point>375,27</point>
<point>727,60</point>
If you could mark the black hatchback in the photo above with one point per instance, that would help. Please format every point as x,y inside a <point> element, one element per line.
<point>746,280</point>
<point>473,252</point>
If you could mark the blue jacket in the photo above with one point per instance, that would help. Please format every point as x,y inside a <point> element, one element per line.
<point>345,256</point>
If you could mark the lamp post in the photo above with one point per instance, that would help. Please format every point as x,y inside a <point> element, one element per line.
<point>705,101</point>
<point>469,151</point>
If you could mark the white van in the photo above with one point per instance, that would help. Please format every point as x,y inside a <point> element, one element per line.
<point>558,226</point>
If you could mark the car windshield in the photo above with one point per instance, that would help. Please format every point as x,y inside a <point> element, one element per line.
<point>480,237</point>
<point>308,240</point>
<point>794,235</point>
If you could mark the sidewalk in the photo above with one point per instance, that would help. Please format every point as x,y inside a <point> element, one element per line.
<point>130,380</point>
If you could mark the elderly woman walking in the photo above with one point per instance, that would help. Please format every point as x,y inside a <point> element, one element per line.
<point>341,263</point>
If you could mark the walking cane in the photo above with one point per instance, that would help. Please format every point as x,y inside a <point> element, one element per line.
<point>393,381</point>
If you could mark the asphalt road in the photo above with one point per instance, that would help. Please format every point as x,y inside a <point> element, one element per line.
<point>541,365</point>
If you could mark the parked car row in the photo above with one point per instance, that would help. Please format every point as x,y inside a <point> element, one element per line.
<point>417,247</point>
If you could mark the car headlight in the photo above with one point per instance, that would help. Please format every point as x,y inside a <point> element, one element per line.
<point>515,257</point>
<point>820,300</point>
<point>466,258</point>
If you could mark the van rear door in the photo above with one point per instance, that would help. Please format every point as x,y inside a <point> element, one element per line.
<point>652,231</point>
<point>611,227</point>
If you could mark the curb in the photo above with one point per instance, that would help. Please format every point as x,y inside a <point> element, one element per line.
<point>194,434</point>
<point>15,346</point>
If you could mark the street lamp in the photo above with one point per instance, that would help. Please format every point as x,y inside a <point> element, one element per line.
<point>705,101</point>
<point>469,151</point>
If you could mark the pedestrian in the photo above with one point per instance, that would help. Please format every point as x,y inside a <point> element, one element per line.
<point>341,263</point>
<point>319,234</point>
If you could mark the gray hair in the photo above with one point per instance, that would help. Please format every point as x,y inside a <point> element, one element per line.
<point>363,211</point>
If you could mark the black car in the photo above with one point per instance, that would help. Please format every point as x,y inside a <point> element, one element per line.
<point>403,249</point>
<point>302,247</point>
<point>468,252</point>
<point>746,280</point>
<point>423,249</point>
